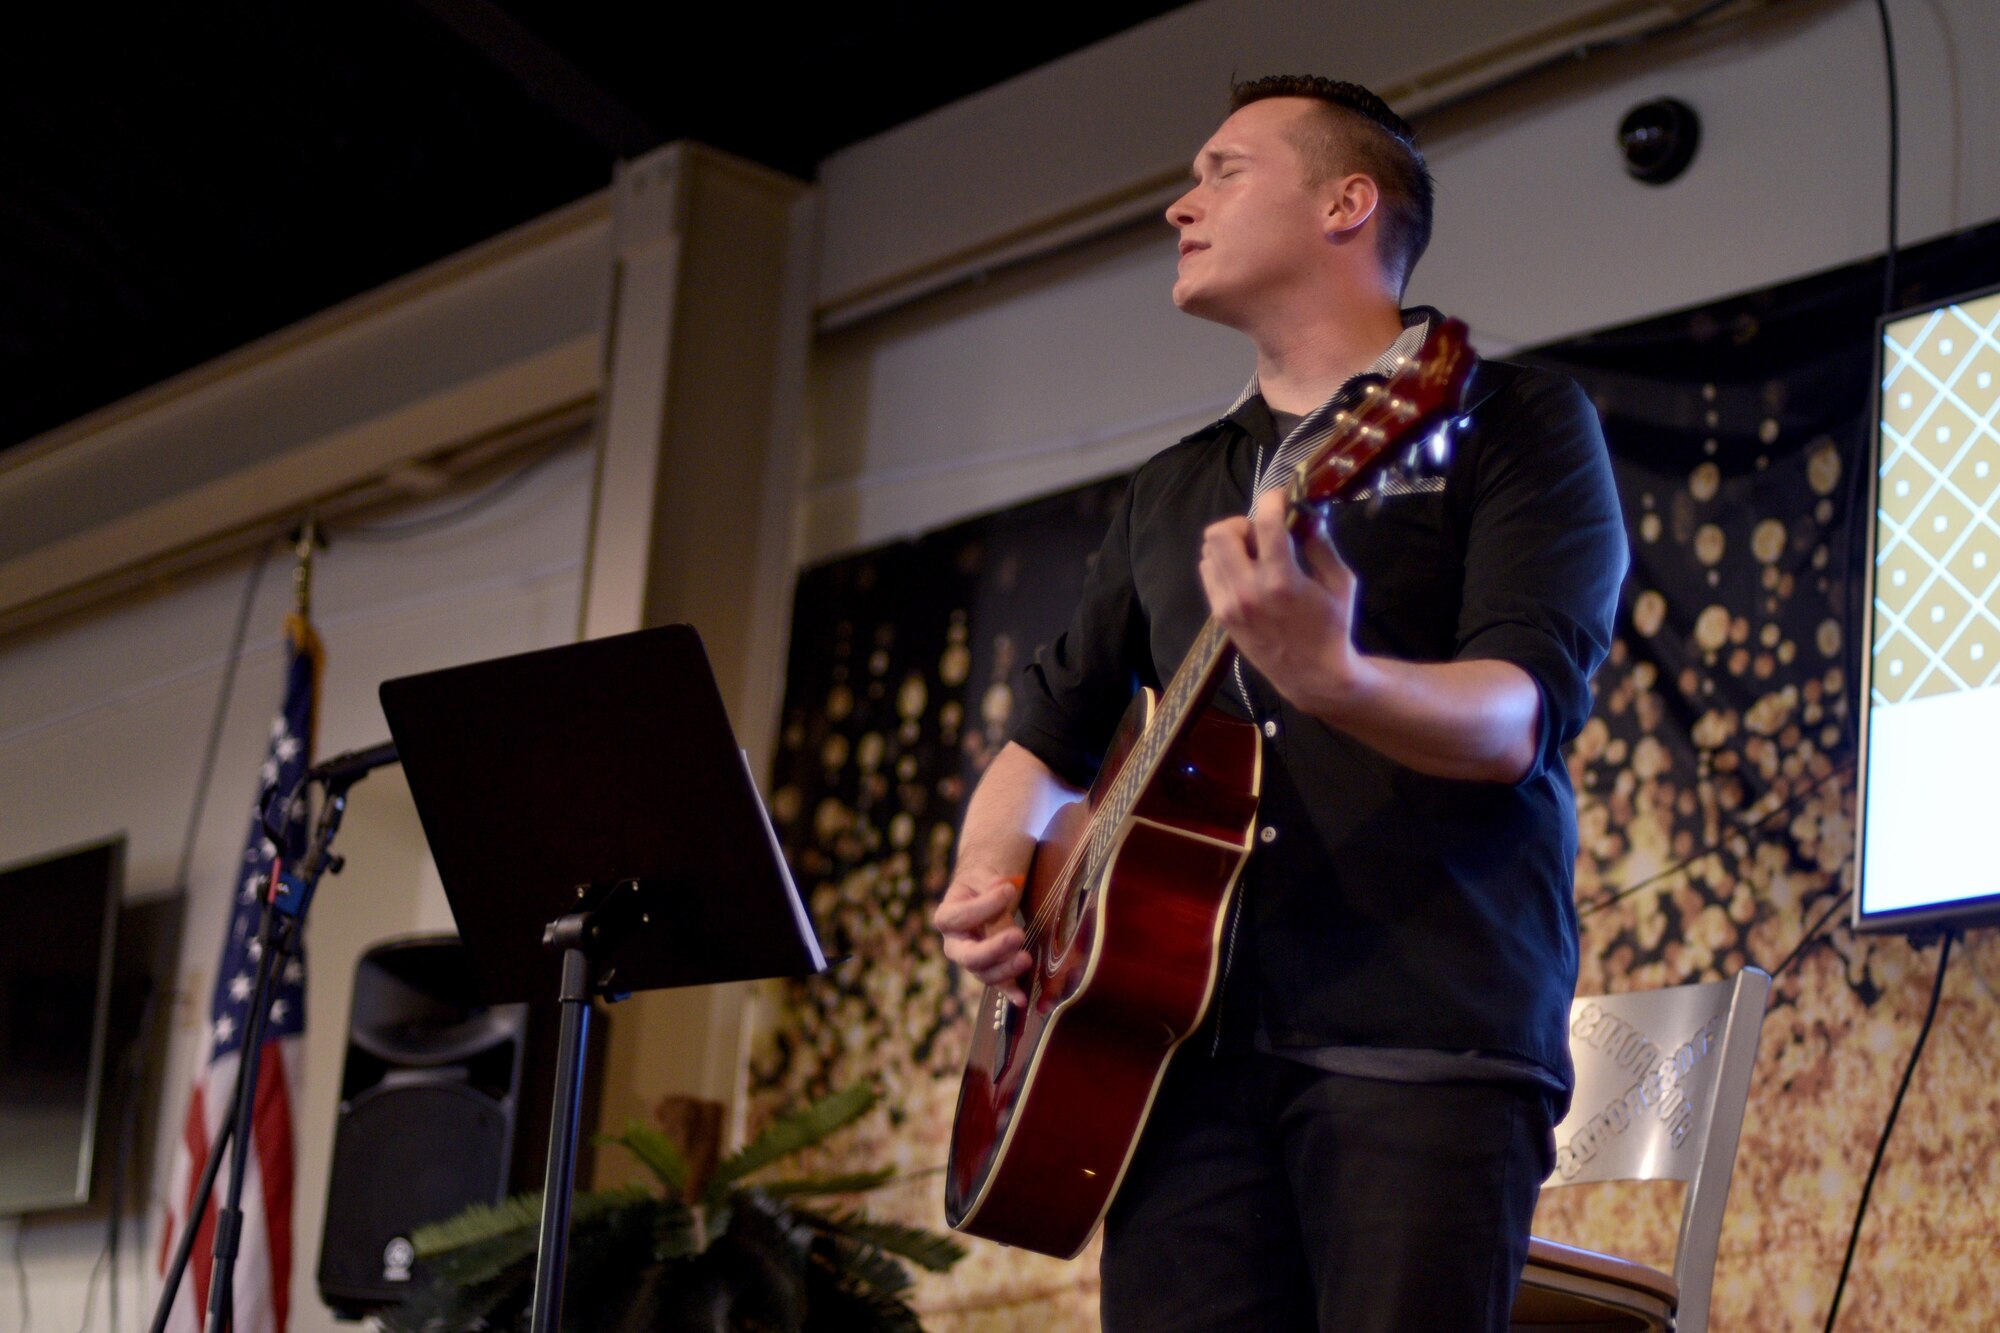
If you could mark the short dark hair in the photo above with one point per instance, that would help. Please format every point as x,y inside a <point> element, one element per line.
<point>1360,133</point>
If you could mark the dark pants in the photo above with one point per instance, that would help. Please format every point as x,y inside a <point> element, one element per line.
<point>1270,1197</point>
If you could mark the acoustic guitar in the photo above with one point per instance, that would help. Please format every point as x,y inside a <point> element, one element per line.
<point>1130,888</point>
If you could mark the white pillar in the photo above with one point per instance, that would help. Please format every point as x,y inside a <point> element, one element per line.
<point>692,518</point>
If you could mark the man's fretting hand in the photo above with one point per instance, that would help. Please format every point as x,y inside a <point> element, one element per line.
<point>976,919</point>
<point>1477,719</point>
<point>1297,628</point>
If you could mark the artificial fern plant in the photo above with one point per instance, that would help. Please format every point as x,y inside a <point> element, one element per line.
<point>724,1254</point>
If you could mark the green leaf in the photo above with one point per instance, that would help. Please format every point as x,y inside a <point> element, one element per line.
<point>661,1154</point>
<point>607,1257</point>
<point>873,1267</point>
<point>675,1235</point>
<point>842,1304</point>
<point>512,1217</point>
<point>485,1263</point>
<point>790,1134</point>
<point>860,1264</point>
<point>929,1248</point>
<point>852,1183</point>
<point>480,1222</point>
<point>486,1283</point>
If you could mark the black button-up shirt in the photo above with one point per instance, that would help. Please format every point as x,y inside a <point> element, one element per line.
<point>1392,911</point>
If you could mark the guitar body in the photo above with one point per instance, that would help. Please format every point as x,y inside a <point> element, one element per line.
<point>1055,1094</point>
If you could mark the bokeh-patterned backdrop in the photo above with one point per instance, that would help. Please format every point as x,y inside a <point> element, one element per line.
<point>1715,787</point>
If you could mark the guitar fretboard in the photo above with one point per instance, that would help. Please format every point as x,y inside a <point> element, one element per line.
<point>1186,694</point>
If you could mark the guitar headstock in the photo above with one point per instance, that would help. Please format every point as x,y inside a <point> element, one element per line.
<point>1408,415</point>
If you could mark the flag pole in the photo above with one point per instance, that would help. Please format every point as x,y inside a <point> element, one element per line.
<point>302,572</point>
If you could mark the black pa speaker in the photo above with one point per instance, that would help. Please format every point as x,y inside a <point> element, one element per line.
<point>430,1115</point>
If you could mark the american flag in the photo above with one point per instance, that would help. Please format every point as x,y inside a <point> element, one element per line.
<point>262,1294</point>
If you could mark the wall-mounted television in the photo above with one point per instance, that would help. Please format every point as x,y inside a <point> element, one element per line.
<point>1928,851</point>
<point>58,929</point>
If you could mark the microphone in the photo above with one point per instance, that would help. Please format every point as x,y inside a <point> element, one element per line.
<point>353,765</point>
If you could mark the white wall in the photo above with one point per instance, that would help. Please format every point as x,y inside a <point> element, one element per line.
<point>102,723</point>
<point>1106,129</point>
<point>1079,366</point>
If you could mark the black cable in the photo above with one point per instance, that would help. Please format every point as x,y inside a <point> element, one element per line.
<point>90,1293</point>
<point>204,775</point>
<point>1860,1212</point>
<point>124,1165</point>
<point>21,1269</point>
<point>1857,612</point>
<point>1748,826</point>
<point>486,499</point>
<point>1806,939</point>
<point>1895,156</point>
<point>107,1258</point>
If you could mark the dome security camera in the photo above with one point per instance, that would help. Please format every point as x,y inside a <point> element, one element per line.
<point>1658,139</point>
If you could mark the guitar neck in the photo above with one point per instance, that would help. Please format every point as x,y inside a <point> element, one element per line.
<point>1184,698</point>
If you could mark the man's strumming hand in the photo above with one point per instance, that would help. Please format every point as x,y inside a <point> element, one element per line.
<point>976,919</point>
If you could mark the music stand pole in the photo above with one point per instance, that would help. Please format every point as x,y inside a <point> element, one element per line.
<point>569,934</point>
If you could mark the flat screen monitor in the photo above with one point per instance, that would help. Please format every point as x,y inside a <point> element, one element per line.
<point>58,927</point>
<point>1929,832</point>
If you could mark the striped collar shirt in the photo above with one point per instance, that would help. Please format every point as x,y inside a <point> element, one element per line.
<point>1314,429</point>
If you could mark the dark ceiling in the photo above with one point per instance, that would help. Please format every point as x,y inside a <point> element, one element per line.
<point>177,179</point>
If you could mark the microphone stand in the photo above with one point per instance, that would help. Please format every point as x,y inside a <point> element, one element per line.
<point>288,893</point>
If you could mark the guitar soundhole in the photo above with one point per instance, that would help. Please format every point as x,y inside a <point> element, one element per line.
<point>1076,906</point>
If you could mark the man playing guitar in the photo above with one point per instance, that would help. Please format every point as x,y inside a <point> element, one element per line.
<point>1355,1137</point>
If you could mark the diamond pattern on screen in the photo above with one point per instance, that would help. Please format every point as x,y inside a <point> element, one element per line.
<point>1937,534</point>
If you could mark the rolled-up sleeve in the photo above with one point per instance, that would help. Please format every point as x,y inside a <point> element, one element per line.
<point>1076,688</point>
<point>1545,554</point>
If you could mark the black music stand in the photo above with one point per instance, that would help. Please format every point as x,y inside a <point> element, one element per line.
<point>598,833</point>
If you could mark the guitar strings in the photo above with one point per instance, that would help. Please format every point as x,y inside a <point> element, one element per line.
<point>1139,770</point>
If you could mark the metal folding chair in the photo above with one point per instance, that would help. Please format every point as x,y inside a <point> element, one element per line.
<point>1662,1078</point>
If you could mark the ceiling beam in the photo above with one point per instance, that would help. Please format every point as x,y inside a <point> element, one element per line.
<point>545,74</point>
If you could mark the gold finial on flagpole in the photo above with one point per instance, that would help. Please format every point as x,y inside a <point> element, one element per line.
<point>308,537</point>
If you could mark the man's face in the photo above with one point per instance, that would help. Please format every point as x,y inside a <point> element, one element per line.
<point>1250,228</point>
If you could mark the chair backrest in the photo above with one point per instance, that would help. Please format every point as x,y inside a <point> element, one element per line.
<point>1662,1077</point>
